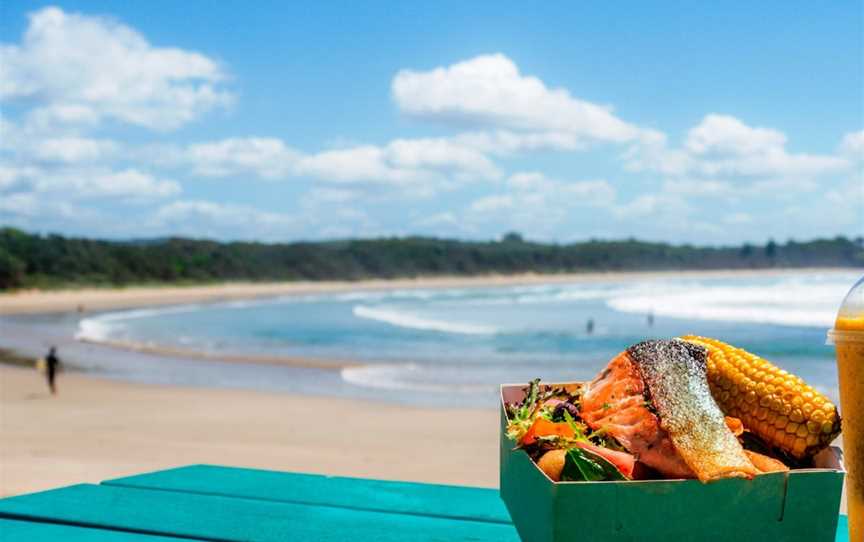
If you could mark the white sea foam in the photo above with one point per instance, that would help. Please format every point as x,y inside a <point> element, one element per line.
<point>405,319</point>
<point>809,302</point>
<point>408,377</point>
<point>109,325</point>
<point>93,329</point>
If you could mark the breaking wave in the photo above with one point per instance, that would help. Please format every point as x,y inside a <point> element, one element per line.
<point>411,377</point>
<point>787,303</point>
<point>110,327</point>
<point>412,321</point>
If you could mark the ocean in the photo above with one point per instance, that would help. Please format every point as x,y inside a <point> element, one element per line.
<point>452,346</point>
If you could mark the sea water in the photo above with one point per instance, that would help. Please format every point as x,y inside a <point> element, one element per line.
<point>453,346</point>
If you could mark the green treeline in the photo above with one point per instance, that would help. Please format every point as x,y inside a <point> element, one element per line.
<point>28,260</point>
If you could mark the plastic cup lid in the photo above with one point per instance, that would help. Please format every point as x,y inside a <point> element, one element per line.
<point>852,308</point>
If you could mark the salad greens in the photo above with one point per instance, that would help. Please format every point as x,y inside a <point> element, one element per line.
<point>549,418</point>
<point>584,466</point>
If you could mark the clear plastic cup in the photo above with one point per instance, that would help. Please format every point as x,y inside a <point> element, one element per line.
<point>848,339</point>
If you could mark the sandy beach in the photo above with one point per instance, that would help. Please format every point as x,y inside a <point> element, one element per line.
<point>92,299</point>
<point>96,429</point>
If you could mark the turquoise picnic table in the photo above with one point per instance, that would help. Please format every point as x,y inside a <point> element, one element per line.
<point>224,504</point>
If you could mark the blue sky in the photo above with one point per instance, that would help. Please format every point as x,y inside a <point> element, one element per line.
<point>673,121</point>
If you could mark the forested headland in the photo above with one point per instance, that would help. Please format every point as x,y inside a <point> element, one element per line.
<point>53,261</point>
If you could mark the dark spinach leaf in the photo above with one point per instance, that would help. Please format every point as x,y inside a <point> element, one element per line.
<point>584,466</point>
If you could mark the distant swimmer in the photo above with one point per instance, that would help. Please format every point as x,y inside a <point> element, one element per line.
<point>52,365</point>
<point>589,327</point>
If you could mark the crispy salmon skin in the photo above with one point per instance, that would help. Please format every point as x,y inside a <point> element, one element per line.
<point>654,398</point>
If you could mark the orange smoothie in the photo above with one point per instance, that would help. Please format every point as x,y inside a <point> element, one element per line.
<point>850,367</point>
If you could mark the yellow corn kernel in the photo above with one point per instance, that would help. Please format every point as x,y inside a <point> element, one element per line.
<point>777,406</point>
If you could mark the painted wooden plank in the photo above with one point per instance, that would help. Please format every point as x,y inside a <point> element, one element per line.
<point>227,519</point>
<point>357,493</point>
<point>27,531</point>
<point>843,529</point>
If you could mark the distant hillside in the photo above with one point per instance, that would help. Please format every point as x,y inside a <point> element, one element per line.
<point>28,260</point>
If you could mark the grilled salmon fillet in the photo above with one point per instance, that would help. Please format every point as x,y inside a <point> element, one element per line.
<point>654,399</point>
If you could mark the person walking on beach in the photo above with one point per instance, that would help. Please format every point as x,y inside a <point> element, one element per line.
<point>52,365</point>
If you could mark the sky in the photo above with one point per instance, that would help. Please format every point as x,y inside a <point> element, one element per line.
<point>685,122</point>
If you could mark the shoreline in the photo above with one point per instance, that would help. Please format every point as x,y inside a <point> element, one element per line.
<point>102,299</point>
<point>188,353</point>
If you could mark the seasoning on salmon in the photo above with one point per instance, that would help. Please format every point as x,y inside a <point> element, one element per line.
<point>615,402</point>
<point>654,399</point>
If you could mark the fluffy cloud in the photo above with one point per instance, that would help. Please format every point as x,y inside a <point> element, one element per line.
<point>723,146</point>
<point>73,149</point>
<point>223,220</point>
<point>490,91</point>
<point>82,69</point>
<point>504,142</point>
<point>34,211</point>
<point>88,183</point>
<point>128,183</point>
<point>537,205</point>
<point>402,161</point>
<point>268,158</point>
<point>431,162</point>
<point>234,214</point>
<point>652,206</point>
<point>533,192</point>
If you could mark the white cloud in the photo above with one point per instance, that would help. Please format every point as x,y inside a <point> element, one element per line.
<point>533,191</point>
<point>366,163</point>
<point>698,187</point>
<point>442,155</point>
<point>738,218</point>
<point>268,158</point>
<point>62,115</point>
<point>400,162</point>
<point>128,183</point>
<point>490,91</point>
<point>425,164</point>
<point>503,142</point>
<point>654,205</point>
<point>73,149</point>
<point>30,143</point>
<point>81,69</point>
<point>325,194</point>
<point>234,214</point>
<point>495,203</point>
<point>33,210</point>
<point>539,206</point>
<point>89,183</point>
<point>725,135</point>
<point>224,220</point>
<point>445,219</point>
<point>853,145</point>
<point>11,175</point>
<point>723,146</point>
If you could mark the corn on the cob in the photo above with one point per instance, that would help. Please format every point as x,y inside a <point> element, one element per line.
<point>773,404</point>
